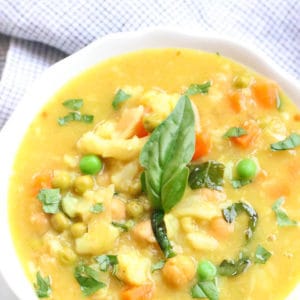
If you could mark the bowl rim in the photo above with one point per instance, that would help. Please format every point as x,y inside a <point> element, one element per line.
<point>101,49</point>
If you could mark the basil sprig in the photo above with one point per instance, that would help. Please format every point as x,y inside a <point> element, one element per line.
<point>290,142</point>
<point>42,286</point>
<point>234,267</point>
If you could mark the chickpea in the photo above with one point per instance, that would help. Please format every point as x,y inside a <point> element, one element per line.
<point>118,209</point>
<point>62,180</point>
<point>67,256</point>
<point>83,183</point>
<point>60,222</point>
<point>134,209</point>
<point>179,270</point>
<point>78,229</point>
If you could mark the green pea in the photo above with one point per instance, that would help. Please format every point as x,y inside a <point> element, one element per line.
<point>60,222</point>
<point>206,270</point>
<point>246,169</point>
<point>78,229</point>
<point>90,164</point>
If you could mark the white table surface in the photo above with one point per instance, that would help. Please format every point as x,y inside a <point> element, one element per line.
<point>5,292</point>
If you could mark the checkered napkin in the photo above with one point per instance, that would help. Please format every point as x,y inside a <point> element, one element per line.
<point>41,32</point>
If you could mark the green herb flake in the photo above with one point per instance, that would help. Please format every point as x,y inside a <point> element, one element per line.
<point>205,289</point>
<point>75,116</point>
<point>207,175</point>
<point>124,226</point>
<point>194,89</point>
<point>73,104</point>
<point>97,208</point>
<point>235,132</point>
<point>88,279</point>
<point>42,286</point>
<point>290,142</point>
<point>282,218</point>
<point>166,154</point>
<point>158,266</point>
<point>106,261</point>
<point>50,199</point>
<point>231,212</point>
<point>234,267</point>
<point>261,255</point>
<point>120,97</point>
<point>238,183</point>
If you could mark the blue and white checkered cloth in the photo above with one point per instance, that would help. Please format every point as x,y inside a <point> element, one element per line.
<point>42,32</point>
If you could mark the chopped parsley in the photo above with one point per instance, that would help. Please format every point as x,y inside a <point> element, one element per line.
<point>120,97</point>
<point>50,199</point>
<point>158,266</point>
<point>106,261</point>
<point>75,116</point>
<point>124,226</point>
<point>73,104</point>
<point>42,286</point>
<point>97,208</point>
<point>194,88</point>
<point>281,216</point>
<point>261,255</point>
<point>235,132</point>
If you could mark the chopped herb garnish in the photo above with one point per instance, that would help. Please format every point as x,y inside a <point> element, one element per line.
<point>97,208</point>
<point>75,116</point>
<point>230,213</point>
<point>194,89</point>
<point>205,289</point>
<point>207,175</point>
<point>120,97</point>
<point>282,218</point>
<point>125,226</point>
<point>235,132</point>
<point>73,104</point>
<point>234,267</point>
<point>50,199</point>
<point>290,142</point>
<point>158,266</point>
<point>42,286</point>
<point>238,183</point>
<point>261,255</point>
<point>106,261</point>
<point>143,183</point>
<point>88,279</point>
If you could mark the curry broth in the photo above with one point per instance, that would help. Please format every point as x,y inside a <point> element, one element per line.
<point>171,70</point>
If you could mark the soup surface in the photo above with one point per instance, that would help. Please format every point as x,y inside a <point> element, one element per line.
<point>161,174</point>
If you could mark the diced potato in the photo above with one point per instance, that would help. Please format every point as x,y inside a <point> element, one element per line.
<point>189,224</point>
<point>118,209</point>
<point>133,268</point>
<point>172,225</point>
<point>202,241</point>
<point>126,178</point>
<point>143,232</point>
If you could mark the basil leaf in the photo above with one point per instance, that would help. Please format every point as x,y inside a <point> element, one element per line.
<point>75,116</point>
<point>50,199</point>
<point>106,261</point>
<point>290,142</point>
<point>143,182</point>
<point>282,218</point>
<point>205,289</point>
<point>42,286</point>
<point>207,175</point>
<point>233,268</point>
<point>158,266</point>
<point>230,213</point>
<point>88,279</point>
<point>120,97</point>
<point>97,208</point>
<point>194,89</point>
<point>235,132</point>
<point>160,232</point>
<point>238,183</point>
<point>165,155</point>
<point>124,226</point>
<point>261,255</point>
<point>74,104</point>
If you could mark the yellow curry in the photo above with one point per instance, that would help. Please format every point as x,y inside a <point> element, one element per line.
<point>161,174</point>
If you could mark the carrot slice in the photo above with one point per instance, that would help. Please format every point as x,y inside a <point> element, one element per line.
<point>265,94</point>
<point>142,292</point>
<point>248,139</point>
<point>41,180</point>
<point>202,145</point>
<point>236,101</point>
<point>220,228</point>
<point>140,130</point>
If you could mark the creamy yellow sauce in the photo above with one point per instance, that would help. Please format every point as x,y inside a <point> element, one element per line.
<point>48,147</point>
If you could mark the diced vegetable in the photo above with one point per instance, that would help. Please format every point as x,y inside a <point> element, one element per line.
<point>265,94</point>
<point>141,292</point>
<point>42,286</point>
<point>83,183</point>
<point>67,256</point>
<point>134,209</point>
<point>230,213</point>
<point>60,222</point>
<point>51,199</point>
<point>202,145</point>
<point>118,209</point>
<point>205,289</point>
<point>220,228</point>
<point>165,155</point>
<point>208,174</point>
<point>90,164</point>
<point>140,130</point>
<point>62,180</point>
<point>241,81</point>
<point>78,229</point>
<point>282,218</point>
<point>246,169</point>
<point>40,181</point>
<point>236,100</point>
<point>160,233</point>
<point>142,232</point>
<point>206,270</point>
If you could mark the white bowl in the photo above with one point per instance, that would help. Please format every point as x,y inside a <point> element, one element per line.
<point>60,73</point>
